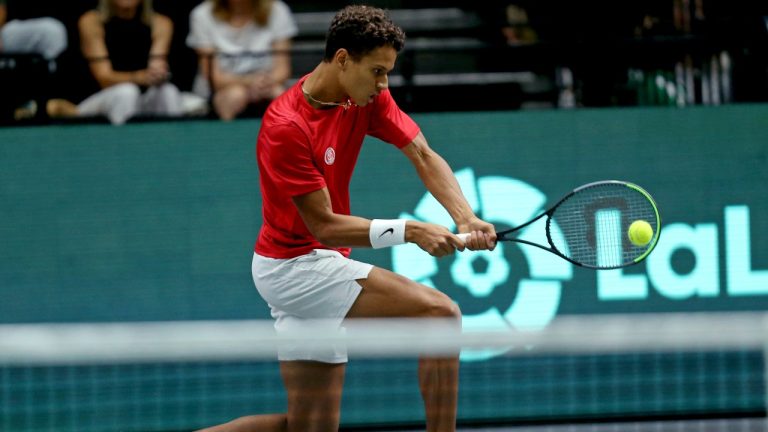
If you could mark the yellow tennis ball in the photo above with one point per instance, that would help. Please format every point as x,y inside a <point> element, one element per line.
<point>640,233</point>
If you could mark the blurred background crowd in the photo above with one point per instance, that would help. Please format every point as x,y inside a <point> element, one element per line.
<point>118,60</point>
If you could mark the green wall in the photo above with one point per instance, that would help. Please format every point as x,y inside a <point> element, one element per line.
<point>148,221</point>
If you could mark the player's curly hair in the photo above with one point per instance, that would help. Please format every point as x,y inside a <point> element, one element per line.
<point>361,29</point>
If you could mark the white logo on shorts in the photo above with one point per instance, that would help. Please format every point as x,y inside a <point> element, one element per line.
<point>330,156</point>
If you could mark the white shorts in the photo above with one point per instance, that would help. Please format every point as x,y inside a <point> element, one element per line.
<point>319,285</point>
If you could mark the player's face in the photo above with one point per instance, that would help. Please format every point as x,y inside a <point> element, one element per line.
<point>365,78</point>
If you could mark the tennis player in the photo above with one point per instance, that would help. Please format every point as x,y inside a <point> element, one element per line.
<point>307,147</point>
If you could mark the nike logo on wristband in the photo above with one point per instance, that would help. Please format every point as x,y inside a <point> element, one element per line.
<point>387,231</point>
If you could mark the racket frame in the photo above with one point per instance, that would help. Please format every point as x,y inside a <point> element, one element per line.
<point>502,235</point>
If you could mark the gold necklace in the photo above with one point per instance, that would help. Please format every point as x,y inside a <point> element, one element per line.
<point>345,105</point>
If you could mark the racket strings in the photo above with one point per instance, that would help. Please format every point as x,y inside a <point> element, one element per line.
<point>591,225</point>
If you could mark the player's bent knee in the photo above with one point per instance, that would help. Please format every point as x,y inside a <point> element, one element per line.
<point>454,311</point>
<point>444,307</point>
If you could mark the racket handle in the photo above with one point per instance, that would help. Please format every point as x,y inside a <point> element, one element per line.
<point>464,236</point>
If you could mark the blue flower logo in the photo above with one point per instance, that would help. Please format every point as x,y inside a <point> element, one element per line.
<point>514,285</point>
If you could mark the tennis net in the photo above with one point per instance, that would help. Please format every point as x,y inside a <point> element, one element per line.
<point>173,376</point>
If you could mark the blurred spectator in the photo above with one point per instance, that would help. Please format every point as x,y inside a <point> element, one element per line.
<point>126,44</point>
<point>518,30</point>
<point>44,36</point>
<point>243,48</point>
<point>31,85</point>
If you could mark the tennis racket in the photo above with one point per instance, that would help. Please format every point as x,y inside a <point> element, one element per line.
<point>590,225</point>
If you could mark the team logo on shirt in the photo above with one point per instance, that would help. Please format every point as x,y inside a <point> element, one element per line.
<point>330,156</point>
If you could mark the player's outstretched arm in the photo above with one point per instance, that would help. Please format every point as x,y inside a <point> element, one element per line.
<point>439,179</point>
<point>337,230</point>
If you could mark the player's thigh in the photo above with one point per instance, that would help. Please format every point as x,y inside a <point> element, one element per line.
<point>314,394</point>
<point>388,294</point>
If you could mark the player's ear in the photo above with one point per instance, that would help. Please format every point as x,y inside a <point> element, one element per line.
<point>342,55</point>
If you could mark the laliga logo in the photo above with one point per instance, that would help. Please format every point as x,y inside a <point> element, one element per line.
<point>511,286</point>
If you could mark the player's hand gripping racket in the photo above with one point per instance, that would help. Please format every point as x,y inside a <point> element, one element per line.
<point>602,225</point>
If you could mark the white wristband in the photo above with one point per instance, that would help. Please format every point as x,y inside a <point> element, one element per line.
<point>387,232</point>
